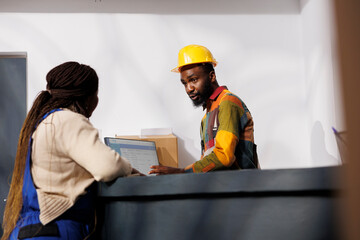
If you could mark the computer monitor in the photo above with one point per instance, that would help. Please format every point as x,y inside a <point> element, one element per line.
<point>140,153</point>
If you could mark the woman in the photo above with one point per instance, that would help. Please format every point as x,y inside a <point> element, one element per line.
<point>58,159</point>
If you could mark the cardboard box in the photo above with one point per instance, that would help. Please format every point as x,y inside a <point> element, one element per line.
<point>166,147</point>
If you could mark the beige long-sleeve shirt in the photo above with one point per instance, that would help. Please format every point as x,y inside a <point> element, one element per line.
<point>67,157</point>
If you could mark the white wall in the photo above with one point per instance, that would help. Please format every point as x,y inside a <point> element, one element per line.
<point>323,99</point>
<point>261,58</point>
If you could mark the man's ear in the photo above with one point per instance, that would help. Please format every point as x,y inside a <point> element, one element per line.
<point>212,76</point>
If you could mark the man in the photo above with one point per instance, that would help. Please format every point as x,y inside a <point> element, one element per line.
<point>227,136</point>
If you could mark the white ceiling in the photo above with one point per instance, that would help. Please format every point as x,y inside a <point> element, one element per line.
<point>153,6</point>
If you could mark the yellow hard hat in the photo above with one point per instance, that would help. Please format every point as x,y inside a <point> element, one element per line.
<point>194,54</point>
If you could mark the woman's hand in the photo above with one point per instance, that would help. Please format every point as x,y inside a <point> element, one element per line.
<point>136,172</point>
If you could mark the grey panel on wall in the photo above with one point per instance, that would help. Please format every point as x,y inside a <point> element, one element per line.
<point>12,116</point>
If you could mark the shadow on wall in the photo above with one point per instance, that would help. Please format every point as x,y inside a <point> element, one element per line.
<point>185,158</point>
<point>156,7</point>
<point>319,154</point>
<point>303,4</point>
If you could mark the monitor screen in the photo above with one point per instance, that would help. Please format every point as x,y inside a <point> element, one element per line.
<point>141,154</point>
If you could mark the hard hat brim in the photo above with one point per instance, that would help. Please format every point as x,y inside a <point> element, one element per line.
<point>177,69</point>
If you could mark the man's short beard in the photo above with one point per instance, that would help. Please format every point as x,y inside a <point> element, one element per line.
<point>204,96</point>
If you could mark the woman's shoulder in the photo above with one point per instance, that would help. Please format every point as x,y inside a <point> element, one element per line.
<point>65,113</point>
<point>66,116</point>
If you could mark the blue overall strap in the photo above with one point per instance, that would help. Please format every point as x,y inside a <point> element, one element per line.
<point>30,200</point>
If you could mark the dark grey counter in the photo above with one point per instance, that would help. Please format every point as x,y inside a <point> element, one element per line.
<point>247,204</point>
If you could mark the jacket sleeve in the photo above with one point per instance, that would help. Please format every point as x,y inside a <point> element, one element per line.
<point>81,142</point>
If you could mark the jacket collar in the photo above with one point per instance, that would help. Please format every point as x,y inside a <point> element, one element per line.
<point>217,92</point>
<point>213,96</point>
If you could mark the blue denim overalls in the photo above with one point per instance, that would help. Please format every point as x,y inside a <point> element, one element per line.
<point>75,223</point>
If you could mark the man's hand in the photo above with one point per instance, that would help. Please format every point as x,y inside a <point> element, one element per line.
<point>163,170</point>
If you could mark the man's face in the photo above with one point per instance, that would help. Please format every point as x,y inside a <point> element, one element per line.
<point>197,84</point>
